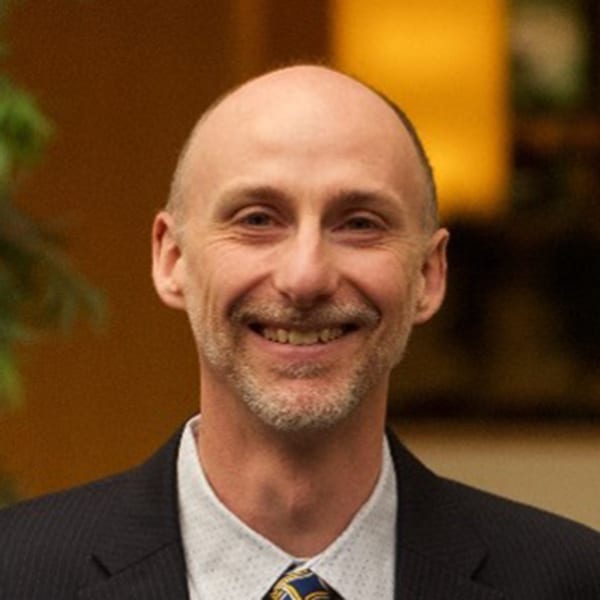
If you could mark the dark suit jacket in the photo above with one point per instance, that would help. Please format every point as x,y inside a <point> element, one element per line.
<point>119,538</point>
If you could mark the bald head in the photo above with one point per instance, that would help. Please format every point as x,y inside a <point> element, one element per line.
<point>293,100</point>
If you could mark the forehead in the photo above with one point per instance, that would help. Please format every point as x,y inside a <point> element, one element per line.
<point>310,122</point>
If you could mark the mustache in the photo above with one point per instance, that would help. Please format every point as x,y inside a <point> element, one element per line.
<point>362,314</point>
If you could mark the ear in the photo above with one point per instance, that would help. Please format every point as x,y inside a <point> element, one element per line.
<point>167,261</point>
<point>433,277</point>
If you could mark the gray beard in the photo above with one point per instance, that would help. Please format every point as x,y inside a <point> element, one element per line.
<point>315,408</point>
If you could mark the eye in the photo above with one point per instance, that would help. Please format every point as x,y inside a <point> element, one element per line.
<point>362,222</point>
<point>360,227</point>
<point>255,218</point>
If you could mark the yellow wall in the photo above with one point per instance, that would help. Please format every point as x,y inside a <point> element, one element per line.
<point>445,62</point>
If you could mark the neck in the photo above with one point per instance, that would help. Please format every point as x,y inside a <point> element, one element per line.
<point>299,490</point>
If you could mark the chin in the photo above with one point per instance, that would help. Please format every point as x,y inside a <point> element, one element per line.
<point>310,406</point>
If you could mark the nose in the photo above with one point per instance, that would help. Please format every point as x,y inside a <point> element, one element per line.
<point>304,271</point>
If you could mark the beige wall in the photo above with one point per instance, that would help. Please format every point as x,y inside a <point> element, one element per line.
<point>123,83</point>
<point>553,466</point>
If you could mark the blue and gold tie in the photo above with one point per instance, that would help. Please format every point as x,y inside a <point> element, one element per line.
<point>301,584</point>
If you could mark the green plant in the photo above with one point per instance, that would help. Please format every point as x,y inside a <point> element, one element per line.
<point>39,290</point>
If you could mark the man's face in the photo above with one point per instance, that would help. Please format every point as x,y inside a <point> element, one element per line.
<point>302,252</point>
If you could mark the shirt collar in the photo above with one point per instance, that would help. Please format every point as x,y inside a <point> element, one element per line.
<point>226,558</point>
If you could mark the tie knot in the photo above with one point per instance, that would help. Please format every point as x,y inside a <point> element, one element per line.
<point>301,584</point>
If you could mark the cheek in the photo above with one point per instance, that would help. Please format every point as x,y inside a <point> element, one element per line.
<point>219,275</point>
<point>386,280</point>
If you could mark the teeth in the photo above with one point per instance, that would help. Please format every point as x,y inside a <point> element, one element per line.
<point>302,338</point>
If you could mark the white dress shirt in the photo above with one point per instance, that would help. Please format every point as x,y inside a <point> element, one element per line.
<point>227,559</point>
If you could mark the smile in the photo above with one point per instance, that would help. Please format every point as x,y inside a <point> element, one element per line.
<point>296,337</point>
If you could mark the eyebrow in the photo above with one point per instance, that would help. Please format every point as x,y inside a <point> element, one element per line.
<point>367,199</point>
<point>341,199</point>
<point>239,195</point>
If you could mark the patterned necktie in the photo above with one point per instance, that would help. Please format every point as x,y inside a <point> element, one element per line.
<point>301,584</point>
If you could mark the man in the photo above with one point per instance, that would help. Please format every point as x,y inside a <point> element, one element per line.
<point>301,239</point>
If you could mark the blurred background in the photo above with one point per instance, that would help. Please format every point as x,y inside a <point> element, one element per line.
<point>502,390</point>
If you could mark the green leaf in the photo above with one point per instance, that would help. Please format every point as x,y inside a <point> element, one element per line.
<point>24,130</point>
<point>10,382</point>
<point>39,289</point>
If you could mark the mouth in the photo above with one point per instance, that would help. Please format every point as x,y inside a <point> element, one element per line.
<point>302,337</point>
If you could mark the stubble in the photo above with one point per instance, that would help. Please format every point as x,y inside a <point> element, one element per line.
<point>330,392</point>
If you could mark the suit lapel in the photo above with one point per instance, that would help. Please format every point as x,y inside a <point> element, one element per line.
<point>159,576</point>
<point>421,577</point>
<point>438,550</point>
<point>139,553</point>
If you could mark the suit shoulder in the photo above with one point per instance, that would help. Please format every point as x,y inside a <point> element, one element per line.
<point>77,510</point>
<point>525,541</point>
<point>52,546</point>
<point>46,543</point>
<point>62,516</point>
